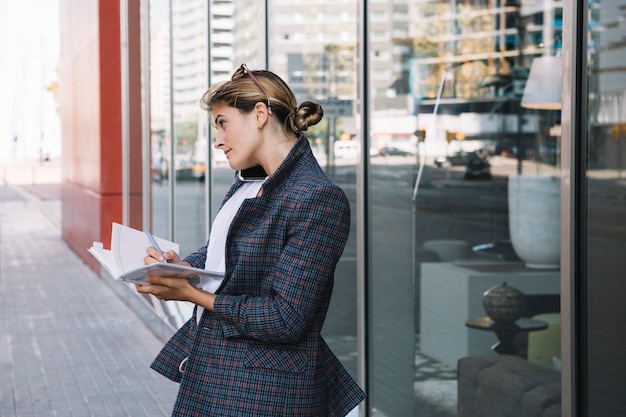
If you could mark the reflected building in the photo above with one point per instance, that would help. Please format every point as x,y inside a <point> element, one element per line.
<point>470,61</point>
<point>607,77</point>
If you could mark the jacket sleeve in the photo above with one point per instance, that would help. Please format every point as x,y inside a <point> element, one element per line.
<point>197,259</point>
<point>302,277</point>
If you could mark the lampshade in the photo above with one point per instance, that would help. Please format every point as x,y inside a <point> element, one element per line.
<point>543,87</point>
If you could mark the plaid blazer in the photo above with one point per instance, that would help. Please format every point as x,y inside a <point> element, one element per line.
<point>260,353</point>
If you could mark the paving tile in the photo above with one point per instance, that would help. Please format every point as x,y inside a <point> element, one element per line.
<point>69,344</point>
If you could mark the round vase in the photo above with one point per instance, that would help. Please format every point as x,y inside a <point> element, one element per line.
<point>535,219</point>
<point>504,304</point>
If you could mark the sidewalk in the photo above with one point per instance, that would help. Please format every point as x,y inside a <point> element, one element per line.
<point>69,344</point>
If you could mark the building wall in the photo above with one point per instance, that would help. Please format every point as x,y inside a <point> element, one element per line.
<point>90,107</point>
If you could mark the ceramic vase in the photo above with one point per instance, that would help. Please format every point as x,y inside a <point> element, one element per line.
<point>504,304</point>
<point>535,219</point>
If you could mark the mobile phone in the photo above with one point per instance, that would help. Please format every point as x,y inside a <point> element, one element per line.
<point>252,174</point>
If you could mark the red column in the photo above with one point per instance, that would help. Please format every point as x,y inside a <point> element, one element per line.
<point>90,108</point>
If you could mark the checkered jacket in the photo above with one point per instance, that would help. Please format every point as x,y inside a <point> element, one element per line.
<point>260,353</point>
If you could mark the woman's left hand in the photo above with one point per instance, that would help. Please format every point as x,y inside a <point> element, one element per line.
<point>176,289</point>
<point>167,288</point>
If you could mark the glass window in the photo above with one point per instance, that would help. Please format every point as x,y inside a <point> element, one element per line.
<point>320,66</point>
<point>463,185</point>
<point>465,193</point>
<point>606,237</point>
<point>160,115</point>
<point>178,62</point>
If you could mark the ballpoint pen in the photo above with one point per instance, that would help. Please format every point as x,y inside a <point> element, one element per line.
<point>153,242</point>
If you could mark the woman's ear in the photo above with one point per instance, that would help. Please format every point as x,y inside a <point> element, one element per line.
<point>261,114</point>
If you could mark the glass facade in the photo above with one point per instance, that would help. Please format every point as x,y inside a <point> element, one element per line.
<point>603,187</point>
<point>454,169</point>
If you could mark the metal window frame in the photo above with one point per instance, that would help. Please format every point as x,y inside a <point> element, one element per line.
<point>363,214</point>
<point>573,220</point>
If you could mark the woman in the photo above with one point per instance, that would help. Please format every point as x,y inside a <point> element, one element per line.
<point>253,346</point>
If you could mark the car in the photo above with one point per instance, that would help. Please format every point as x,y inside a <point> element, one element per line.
<point>219,157</point>
<point>393,150</point>
<point>457,158</point>
<point>186,169</point>
<point>500,250</point>
<point>477,167</point>
<point>198,170</point>
<point>347,149</point>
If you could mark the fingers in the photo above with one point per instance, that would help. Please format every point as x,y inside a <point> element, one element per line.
<point>171,257</point>
<point>166,288</point>
<point>158,291</point>
<point>155,256</point>
<point>144,289</point>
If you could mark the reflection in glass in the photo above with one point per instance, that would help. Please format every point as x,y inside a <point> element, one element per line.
<point>448,136</point>
<point>160,126</point>
<point>605,206</point>
<point>314,50</point>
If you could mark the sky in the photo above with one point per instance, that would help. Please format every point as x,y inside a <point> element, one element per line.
<point>29,51</point>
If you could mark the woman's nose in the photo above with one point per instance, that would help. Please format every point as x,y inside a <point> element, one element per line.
<point>218,142</point>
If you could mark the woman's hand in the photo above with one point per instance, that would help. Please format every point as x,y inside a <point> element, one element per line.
<point>176,289</point>
<point>168,288</point>
<point>154,256</point>
<point>164,288</point>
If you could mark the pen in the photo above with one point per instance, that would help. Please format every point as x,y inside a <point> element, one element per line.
<point>153,242</point>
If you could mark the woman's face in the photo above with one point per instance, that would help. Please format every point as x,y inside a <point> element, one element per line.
<point>236,135</point>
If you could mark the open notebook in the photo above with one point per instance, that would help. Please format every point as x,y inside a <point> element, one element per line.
<point>124,260</point>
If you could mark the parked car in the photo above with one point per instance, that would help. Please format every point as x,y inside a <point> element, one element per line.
<point>457,158</point>
<point>393,150</point>
<point>346,149</point>
<point>198,170</point>
<point>186,169</point>
<point>477,167</point>
<point>219,157</point>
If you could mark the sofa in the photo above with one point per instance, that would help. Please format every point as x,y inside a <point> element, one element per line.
<point>507,386</point>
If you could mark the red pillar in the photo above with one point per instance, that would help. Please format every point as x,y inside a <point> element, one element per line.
<point>91,118</point>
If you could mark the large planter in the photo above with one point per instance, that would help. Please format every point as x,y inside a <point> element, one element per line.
<point>535,219</point>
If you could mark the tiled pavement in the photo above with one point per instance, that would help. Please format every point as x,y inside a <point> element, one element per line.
<point>69,345</point>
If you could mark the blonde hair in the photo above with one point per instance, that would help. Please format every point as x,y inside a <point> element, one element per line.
<point>243,94</point>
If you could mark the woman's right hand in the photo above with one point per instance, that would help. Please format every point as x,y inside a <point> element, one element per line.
<point>155,256</point>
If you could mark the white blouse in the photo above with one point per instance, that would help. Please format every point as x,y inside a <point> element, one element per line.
<point>216,251</point>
